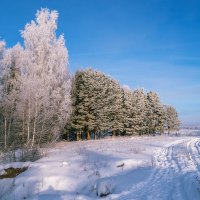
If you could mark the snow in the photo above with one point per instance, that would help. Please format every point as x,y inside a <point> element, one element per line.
<point>15,165</point>
<point>2,172</point>
<point>105,187</point>
<point>125,168</point>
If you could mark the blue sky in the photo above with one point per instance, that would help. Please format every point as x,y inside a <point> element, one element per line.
<point>153,44</point>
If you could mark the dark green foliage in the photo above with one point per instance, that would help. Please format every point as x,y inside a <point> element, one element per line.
<point>155,114</point>
<point>101,105</point>
<point>97,103</point>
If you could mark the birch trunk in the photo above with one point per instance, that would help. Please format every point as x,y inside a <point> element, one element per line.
<point>29,113</point>
<point>35,120</point>
<point>5,133</point>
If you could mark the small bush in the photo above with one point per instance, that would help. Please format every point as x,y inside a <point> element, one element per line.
<point>12,172</point>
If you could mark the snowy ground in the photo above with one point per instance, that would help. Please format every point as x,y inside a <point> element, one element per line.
<point>159,167</point>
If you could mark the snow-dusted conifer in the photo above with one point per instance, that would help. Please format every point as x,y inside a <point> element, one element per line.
<point>140,111</point>
<point>115,107</point>
<point>171,119</point>
<point>97,103</point>
<point>155,114</point>
<point>76,123</point>
<point>128,111</point>
<point>86,101</point>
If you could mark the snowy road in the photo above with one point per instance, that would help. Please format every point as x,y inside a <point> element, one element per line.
<point>176,174</point>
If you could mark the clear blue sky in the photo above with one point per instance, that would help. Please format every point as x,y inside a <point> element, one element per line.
<point>153,44</point>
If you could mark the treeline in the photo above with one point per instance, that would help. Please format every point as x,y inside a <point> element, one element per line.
<point>101,106</point>
<point>39,100</point>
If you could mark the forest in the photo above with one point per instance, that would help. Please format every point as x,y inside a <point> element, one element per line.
<point>41,102</point>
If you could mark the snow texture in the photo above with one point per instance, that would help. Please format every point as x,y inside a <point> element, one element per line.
<point>125,168</point>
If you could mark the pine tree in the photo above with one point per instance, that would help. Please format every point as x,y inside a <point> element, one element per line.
<point>79,110</point>
<point>97,103</point>
<point>128,111</point>
<point>115,107</point>
<point>155,114</point>
<point>139,111</point>
<point>171,119</point>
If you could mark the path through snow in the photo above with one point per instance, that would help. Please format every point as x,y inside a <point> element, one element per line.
<point>155,168</point>
<point>176,174</point>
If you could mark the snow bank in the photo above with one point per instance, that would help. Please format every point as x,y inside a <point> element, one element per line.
<point>105,187</point>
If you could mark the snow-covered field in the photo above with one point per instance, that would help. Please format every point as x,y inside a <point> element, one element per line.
<point>128,168</point>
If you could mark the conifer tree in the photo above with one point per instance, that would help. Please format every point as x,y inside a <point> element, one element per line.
<point>128,111</point>
<point>80,107</point>
<point>116,112</point>
<point>155,114</point>
<point>100,104</point>
<point>171,119</point>
<point>97,103</point>
<point>140,111</point>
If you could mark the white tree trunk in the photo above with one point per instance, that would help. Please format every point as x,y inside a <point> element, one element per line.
<point>10,120</point>
<point>23,124</point>
<point>35,120</point>
<point>29,117</point>
<point>5,133</point>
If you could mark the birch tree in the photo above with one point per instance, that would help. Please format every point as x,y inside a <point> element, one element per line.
<point>2,52</point>
<point>46,82</point>
<point>10,92</point>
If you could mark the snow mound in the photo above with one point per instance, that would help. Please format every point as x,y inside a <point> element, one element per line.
<point>2,172</point>
<point>104,187</point>
<point>15,165</point>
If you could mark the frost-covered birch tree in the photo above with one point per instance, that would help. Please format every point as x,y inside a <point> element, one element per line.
<point>2,52</point>
<point>10,82</point>
<point>45,89</point>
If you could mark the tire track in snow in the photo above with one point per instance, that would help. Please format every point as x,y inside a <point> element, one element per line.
<point>194,152</point>
<point>152,188</point>
<point>172,179</point>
